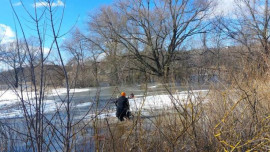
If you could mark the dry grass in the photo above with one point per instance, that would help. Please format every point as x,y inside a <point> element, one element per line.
<point>236,118</point>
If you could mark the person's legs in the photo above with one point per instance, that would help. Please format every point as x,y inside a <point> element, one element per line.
<point>121,118</point>
<point>122,115</point>
<point>128,114</point>
<point>118,114</point>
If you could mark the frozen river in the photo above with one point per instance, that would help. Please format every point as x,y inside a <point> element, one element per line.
<point>92,100</point>
<point>88,103</point>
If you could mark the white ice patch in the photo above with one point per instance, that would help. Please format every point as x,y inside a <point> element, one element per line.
<point>151,87</point>
<point>60,91</point>
<point>156,102</point>
<point>84,104</point>
<point>9,97</point>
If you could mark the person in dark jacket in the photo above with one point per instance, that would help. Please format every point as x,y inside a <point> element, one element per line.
<point>122,106</point>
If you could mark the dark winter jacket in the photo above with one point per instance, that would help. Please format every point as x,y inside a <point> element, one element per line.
<point>122,103</point>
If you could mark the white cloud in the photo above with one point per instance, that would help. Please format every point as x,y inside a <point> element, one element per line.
<point>46,50</point>
<point>6,34</point>
<point>45,4</point>
<point>226,8</point>
<point>17,4</point>
<point>59,3</point>
<point>101,57</point>
<point>4,66</point>
<point>40,4</point>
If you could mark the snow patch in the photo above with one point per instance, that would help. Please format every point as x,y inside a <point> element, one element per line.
<point>60,91</point>
<point>164,101</point>
<point>84,104</point>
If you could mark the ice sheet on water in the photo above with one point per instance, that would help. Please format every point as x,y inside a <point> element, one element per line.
<point>84,104</point>
<point>11,114</point>
<point>60,91</point>
<point>9,98</point>
<point>163,101</point>
<point>12,97</point>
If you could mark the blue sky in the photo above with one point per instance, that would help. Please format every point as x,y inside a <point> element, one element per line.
<point>76,11</point>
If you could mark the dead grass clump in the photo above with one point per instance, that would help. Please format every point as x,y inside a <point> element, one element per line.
<point>240,116</point>
<point>234,118</point>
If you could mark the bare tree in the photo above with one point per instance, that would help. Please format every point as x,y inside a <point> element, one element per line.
<point>152,31</point>
<point>249,26</point>
<point>10,55</point>
<point>102,39</point>
<point>43,132</point>
<point>86,56</point>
